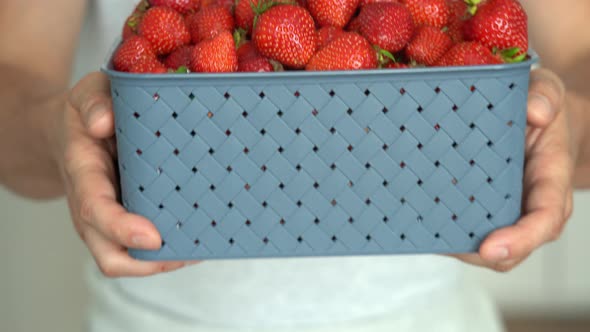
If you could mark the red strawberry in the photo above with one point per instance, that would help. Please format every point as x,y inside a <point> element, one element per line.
<point>457,19</point>
<point>255,64</point>
<point>246,51</point>
<point>429,45</point>
<point>286,33</point>
<point>132,23</point>
<point>191,23</point>
<point>468,54</point>
<point>328,34</point>
<point>245,14</point>
<point>366,2</point>
<point>500,24</point>
<point>182,57</point>
<point>211,21</point>
<point>349,52</point>
<point>181,6</point>
<point>429,12</point>
<point>249,59</point>
<point>332,12</point>
<point>165,29</point>
<point>245,11</point>
<point>148,66</point>
<point>354,25</point>
<point>217,55</point>
<point>132,50</point>
<point>227,4</point>
<point>387,25</point>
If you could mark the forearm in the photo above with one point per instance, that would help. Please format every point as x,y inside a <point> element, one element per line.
<point>578,111</point>
<point>28,126</point>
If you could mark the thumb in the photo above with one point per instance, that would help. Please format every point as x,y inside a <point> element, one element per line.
<point>546,96</point>
<point>91,98</point>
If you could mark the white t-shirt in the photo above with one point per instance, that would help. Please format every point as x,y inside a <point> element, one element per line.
<point>272,293</point>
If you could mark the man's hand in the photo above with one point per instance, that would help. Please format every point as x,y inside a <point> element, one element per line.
<point>548,189</point>
<point>86,161</point>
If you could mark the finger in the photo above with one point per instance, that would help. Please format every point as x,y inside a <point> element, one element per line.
<point>99,209</point>
<point>542,224</point>
<point>546,95</point>
<point>114,261</point>
<point>91,98</point>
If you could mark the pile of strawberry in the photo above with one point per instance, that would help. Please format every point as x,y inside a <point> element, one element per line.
<point>181,36</point>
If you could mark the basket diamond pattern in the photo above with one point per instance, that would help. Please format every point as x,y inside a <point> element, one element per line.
<point>322,167</point>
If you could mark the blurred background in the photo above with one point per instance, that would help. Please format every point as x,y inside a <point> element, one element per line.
<point>42,264</point>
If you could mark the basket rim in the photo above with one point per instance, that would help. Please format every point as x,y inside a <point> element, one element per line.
<point>107,68</point>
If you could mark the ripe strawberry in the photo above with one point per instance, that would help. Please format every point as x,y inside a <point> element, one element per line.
<point>191,23</point>
<point>256,64</point>
<point>500,24</point>
<point>132,50</point>
<point>227,4</point>
<point>182,57</point>
<point>468,54</point>
<point>286,33</point>
<point>211,21</point>
<point>246,51</point>
<point>354,25</point>
<point>250,60</point>
<point>366,2</point>
<point>349,52</point>
<point>132,22</point>
<point>244,13</point>
<point>327,34</point>
<point>387,25</point>
<point>429,12</point>
<point>181,6</point>
<point>216,55</point>
<point>148,66</point>
<point>429,45</point>
<point>165,29</point>
<point>332,12</point>
<point>457,19</point>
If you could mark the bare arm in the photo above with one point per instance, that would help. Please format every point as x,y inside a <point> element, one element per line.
<point>558,34</point>
<point>38,43</point>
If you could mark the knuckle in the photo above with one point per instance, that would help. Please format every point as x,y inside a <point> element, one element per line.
<point>86,209</point>
<point>90,102</point>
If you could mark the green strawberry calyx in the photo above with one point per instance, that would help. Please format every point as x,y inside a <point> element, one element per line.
<point>262,6</point>
<point>180,70</point>
<point>384,56</point>
<point>240,37</point>
<point>472,6</point>
<point>511,55</point>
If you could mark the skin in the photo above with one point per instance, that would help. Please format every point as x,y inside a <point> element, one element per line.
<point>77,128</point>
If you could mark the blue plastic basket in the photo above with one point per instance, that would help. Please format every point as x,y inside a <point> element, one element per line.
<point>249,165</point>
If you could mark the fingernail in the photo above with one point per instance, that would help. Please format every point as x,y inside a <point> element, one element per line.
<point>96,112</point>
<point>540,104</point>
<point>191,263</point>
<point>499,254</point>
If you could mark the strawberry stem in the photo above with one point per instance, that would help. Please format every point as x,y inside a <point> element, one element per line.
<point>276,66</point>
